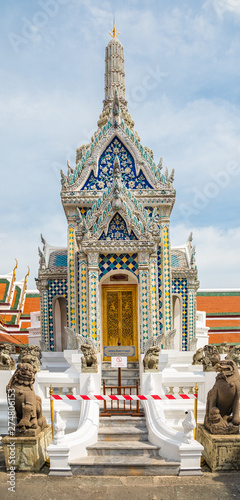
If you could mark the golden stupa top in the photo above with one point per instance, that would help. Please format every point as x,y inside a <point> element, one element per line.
<point>114,32</point>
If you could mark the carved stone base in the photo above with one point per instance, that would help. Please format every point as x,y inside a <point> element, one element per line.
<point>89,369</point>
<point>27,453</point>
<point>151,370</point>
<point>220,452</point>
<point>28,432</point>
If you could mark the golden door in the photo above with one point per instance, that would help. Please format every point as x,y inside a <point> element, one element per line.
<point>120,316</point>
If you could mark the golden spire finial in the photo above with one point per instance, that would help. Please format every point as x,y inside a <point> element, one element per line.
<point>12,282</point>
<point>114,32</point>
<point>25,279</point>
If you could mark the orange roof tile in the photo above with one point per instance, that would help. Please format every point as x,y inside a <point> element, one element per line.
<point>25,324</point>
<point>218,338</point>
<point>20,339</point>
<point>3,287</point>
<point>213,323</point>
<point>31,304</point>
<point>219,304</point>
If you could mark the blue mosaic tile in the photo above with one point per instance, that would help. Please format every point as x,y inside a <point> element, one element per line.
<point>122,261</point>
<point>117,230</point>
<point>105,169</point>
<point>159,266</point>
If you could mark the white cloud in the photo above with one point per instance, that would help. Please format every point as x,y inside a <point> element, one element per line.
<point>223,6</point>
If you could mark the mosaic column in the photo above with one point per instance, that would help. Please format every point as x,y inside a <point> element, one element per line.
<point>191,313</point>
<point>166,278</point>
<point>43,289</point>
<point>83,294</point>
<point>93,298</point>
<point>72,279</point>
<point>154,308</point>
<point>143,268</point>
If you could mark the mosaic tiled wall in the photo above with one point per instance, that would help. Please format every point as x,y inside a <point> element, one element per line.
<point>71,278</point>
<point>191,314</point>
<point>144,306</point>
<point>179,286</point>
<point>83,295</point>
<point>105,169</point>
<point>44,318</point>
<point>154,295</point>
<point>166,278</point>
<point>122,261</point>
<point>57,288</point>
<point>159,267</point>
<point>93,310</point>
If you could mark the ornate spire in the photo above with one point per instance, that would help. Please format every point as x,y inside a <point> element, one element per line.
<point>114,70</point>
<point>114,80</point>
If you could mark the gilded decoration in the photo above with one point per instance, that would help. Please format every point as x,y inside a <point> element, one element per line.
<point>119,310</point>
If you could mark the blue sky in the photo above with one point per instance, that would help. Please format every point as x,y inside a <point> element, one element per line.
<point>52,87</point>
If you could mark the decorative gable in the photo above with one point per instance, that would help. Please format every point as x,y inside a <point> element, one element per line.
<point>105,169</point>
<point>117,230</point>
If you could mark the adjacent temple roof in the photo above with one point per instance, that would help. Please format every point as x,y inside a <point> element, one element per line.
<point>16,305</point>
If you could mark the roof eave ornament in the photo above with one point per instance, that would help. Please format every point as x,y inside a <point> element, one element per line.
<point>116,110</point>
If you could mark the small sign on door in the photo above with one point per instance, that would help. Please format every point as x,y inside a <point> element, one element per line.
<point>119,362</point>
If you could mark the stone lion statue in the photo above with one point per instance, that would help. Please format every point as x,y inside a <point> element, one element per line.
<point>89,359</point>
<point>6,360</point>
<point>151,358</point>
<point>234,354</point>
<point>31,354</point>
<point>223,348</point>
<point>222,409</point>
<point>211,358</point>
<point>198,357</point>
<point>28,406</point>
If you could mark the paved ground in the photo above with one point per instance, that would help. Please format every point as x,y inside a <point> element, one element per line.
<point>225,486</point>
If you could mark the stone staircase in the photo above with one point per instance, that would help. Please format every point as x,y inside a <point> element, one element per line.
<point>123,449</point>
<point>129,375</point>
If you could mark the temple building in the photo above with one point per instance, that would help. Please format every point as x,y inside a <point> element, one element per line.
<point>19,310</point>
<point>119,280</point>
<point>222,308</point>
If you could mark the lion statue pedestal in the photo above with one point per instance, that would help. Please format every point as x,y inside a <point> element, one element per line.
<point>220,433</point>
<point>29,434</point>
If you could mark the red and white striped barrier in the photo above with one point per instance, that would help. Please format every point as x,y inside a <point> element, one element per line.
<point>126,397</point>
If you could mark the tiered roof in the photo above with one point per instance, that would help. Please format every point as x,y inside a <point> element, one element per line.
<point>16,305</point>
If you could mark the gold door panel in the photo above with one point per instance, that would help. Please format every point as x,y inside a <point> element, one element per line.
<point>119,313</point>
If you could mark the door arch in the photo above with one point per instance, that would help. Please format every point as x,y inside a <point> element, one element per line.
<point>177,321</point>
<point>59,323</point>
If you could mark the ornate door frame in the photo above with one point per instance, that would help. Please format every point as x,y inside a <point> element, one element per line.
<point>121,288</point>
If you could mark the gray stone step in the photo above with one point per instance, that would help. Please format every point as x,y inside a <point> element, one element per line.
<point>126,434</point>
<point>114,382</point>
<point>123,448</point>
<point>113,373</point>
<point>131,365</point>
<point>122,421</point>
<point>124,466</point>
